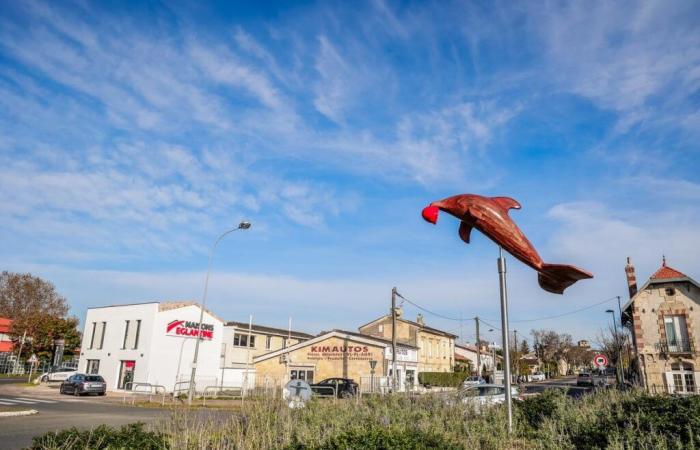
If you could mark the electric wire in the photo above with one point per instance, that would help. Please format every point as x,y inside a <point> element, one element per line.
<point>537,319</point>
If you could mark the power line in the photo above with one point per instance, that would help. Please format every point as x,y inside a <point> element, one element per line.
<point>556,316</point>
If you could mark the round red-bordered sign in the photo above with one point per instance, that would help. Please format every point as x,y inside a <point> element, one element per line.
<point>600,360</point>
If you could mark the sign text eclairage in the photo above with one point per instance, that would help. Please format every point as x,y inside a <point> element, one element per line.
<point>190,328</point>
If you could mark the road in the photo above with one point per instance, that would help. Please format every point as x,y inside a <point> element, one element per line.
<point>60,412</point>
<point>568,383</point>
<point>13,380</point>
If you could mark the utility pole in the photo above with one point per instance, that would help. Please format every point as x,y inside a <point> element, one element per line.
<point>517,366</point>
<point>393,339</point>
<point>478,349</point>
<point>504,333</point>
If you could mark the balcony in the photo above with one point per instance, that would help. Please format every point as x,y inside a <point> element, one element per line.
<point>676,347</point>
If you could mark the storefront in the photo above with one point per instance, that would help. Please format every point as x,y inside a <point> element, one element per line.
<point>151,343</point>
<point>338,354</point>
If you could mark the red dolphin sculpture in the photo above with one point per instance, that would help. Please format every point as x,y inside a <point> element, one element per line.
<point>490,216</point>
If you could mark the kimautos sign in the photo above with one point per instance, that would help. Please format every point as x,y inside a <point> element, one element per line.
<point>338,352</point>
<point>188,328</point>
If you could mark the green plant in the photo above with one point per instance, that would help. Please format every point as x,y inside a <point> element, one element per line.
<point>132,436</point>
<point>446,379</point>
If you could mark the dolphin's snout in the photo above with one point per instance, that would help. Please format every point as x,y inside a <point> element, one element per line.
<point>430,214</point>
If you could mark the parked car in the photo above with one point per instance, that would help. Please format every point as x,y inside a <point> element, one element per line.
<point>58,374</point>
<point>472,381</point>
<point>80,384</point>
<point>486,395</point>
<point>341,387</point>
<point>585,379</point>
<point>537,376</point>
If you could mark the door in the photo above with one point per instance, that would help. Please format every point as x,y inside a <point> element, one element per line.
<point>126,375</point>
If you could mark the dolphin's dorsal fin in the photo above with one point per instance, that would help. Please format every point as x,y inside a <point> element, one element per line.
<point>464,231</point>
<point>506,203</point>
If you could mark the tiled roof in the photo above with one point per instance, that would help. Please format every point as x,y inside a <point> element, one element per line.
<point>5,325</point>
<point>665,272</point>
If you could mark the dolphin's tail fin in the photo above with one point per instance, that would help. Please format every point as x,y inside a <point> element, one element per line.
<point>555,278</point>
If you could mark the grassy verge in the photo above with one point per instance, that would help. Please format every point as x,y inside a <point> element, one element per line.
<point>608,419</point>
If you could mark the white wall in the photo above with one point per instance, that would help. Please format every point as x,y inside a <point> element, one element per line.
<point>172,350</point>
<point>158,354</point>
<point>111,354</point>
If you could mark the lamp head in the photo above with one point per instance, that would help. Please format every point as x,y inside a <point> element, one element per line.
<point>610,311</point>
<point>244,225</point>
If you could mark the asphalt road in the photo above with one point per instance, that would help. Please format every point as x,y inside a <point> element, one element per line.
<point>57,413</point>
<point>22,379</point>
<point>568,383</point>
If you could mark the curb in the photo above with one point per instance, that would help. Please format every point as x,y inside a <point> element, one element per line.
<point>29,412</point>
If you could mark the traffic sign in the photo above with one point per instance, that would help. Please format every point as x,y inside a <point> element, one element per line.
<point>33,359</point>
<point>600,360</point>
<point>296,392</point>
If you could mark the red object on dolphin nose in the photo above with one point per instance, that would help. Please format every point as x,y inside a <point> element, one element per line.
<point>430,214</point>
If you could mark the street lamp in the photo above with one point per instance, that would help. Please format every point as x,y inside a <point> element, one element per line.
<point>241,226</point>
<point>619,350</point>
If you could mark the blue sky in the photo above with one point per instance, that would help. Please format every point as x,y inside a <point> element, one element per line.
<point>132,134</point>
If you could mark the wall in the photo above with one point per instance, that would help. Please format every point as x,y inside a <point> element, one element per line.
<point>333,364</point>
<point>111,354</point>
<point>648,312</point>
<point>237,356</point>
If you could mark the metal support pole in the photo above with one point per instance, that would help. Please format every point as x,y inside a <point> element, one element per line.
<point>393,339</point>
<point>478,349</point>
<point>504,333</point>
<point>619,351</point>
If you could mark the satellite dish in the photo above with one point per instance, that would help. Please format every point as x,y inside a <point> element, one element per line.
<point>297,393</point>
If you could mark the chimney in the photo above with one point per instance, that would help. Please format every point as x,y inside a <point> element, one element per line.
<point>419,320</point>
<point>631,278</point>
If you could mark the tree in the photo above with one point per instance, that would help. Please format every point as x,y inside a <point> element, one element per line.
<point>524,348</point>
<point>551,347</point>
<point>615,345</point>
<point>37,309</point>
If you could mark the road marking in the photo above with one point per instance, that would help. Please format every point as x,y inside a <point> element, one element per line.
<point>16,401</point>
<point>6,403</point>
<point>37,400</point>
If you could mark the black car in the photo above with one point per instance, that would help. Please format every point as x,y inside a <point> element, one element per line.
<point>341,387</point>
<point>80,384</point>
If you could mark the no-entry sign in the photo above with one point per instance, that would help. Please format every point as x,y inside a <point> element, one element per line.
<point>600,360</point>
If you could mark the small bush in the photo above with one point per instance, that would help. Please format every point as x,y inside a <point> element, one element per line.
<point>382,439</point>
<point>444,379</point>
<point>132,436</point>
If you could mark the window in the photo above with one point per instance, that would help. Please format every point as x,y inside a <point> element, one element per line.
<point>126,334</point>
<point>98,335</point>
<point>302,374</point>
<point>241,340</point>
<point>131,334</point>
<point>381,328</point>
<point>676,334</point>
<point>670,292</point>
<point>93,366</point>
<point>681,379</point>
<point>268,342</point>
<point>92,335</point>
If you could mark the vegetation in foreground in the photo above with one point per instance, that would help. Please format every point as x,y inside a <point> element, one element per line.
<point>610,419</point>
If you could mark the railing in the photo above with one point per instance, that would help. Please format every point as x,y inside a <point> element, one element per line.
<point>226,391</point>
<point>136,388</point>
<point>325,392</point>
<point>674,347</point>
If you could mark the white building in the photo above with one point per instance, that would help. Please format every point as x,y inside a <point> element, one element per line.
<point>151,343</point>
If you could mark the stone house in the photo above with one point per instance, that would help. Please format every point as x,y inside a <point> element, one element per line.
<point>664,316</point>
<point>436,348</point>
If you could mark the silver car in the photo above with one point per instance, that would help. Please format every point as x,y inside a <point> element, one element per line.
<point>486,395</point>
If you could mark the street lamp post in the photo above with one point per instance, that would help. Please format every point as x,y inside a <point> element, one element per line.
<point>241,226</point>
<point>619,350</point>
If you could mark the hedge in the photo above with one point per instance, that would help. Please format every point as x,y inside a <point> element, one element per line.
<point>448,379</point>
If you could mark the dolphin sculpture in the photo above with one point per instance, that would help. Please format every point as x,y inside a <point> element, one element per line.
<point>490,216</point>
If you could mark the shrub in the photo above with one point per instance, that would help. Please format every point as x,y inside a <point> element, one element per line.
<point>130,436</point>
<point>382,439</point>
<point>446,379</point>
